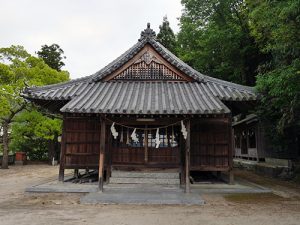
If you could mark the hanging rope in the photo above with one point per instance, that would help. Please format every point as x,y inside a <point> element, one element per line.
<point>144,129</point>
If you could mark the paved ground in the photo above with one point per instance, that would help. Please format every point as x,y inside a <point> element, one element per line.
<point>282,206</point>
<point>147,194</point>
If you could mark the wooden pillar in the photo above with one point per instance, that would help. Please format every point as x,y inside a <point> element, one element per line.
<point>62,162</point>
<point>146,146</point>
<point>182,160</point>
<point>230,149</point>
<point>187,157</point>
<point>102,154</point>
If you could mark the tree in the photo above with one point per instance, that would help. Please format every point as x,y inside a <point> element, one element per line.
<point>17,68</point>
<point>33,132</point>
<point>275,25</point>
<point>52,55</point>
<point>166,35</point>
<point>215,39</point>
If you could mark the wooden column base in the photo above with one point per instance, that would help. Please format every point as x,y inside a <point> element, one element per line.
<point>61,175</point>
<point>101,172</point>
<point>100,184</point>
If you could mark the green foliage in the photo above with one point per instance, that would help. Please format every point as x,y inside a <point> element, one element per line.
<point>18,68</point>
<point>52,55</point>
<point>166,36</point>
<point>280,100</point>
<point>215,39</point>
<point>13,53</point>
<point>276,28</point>
<point>31,132</point>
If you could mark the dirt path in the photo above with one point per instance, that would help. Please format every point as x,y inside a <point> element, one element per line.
<point>17,207</point>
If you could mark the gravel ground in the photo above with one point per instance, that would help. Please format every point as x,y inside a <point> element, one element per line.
<point>16,207</point>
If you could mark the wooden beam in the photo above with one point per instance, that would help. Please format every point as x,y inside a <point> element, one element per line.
<point>102,154</point>
<point>187,157</point>
<point>62,162</point>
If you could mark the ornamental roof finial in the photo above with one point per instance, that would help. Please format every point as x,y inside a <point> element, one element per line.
<point>148,33</point>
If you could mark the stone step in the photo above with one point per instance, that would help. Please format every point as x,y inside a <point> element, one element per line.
<point>162,175</point>
<point>139,180</point>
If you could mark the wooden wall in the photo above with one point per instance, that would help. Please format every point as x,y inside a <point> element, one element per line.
<point>81,141</point>
<point>241,133</point>
<point>211,144</point>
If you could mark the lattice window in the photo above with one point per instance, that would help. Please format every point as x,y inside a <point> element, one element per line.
<point>148,67</point>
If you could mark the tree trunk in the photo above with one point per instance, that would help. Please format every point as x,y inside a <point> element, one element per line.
<point>5,146</point>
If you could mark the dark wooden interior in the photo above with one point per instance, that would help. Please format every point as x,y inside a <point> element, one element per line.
<point>210,144</point>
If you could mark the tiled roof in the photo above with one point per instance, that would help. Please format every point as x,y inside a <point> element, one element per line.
<point>146,98</point>
<point>203,95</point>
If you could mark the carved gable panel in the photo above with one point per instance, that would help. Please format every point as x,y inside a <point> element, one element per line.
<point>148,65</point>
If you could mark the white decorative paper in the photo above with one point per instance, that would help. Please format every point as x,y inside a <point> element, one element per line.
<point>183,130</point>
<point>157,141</point>
<point>113,131</point>
<point>134,136</point>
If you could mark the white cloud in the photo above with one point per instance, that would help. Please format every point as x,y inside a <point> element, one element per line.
<point>92,33</point>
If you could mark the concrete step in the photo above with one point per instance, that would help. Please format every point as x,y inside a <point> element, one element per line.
<point>145,180</point>
<point>162,175</point>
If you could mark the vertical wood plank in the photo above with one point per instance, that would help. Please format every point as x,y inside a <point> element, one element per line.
<point>61,175</point>
<point>187,157</point>
<point>101,155</point>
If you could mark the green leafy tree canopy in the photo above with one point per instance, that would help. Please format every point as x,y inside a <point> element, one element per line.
<point>18,69</point>
<point>166,36</point>
<point>52,55</point>
<point>215,39</point>
<point>276,28</point>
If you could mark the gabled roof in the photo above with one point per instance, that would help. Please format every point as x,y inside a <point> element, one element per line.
<point>79,90</point>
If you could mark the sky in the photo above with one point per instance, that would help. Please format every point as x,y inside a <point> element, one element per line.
<point>92,33</point>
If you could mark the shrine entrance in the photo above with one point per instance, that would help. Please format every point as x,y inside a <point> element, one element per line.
<point>145,152</point>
